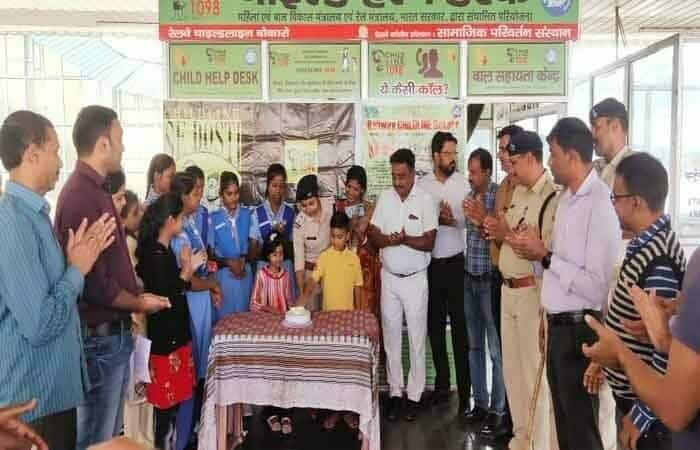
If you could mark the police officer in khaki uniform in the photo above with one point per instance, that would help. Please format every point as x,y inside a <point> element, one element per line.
<point>312,231</point>
<point>533,205</point>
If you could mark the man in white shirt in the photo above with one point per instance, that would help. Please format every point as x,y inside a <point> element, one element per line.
<point>609,124</point>
<point>404,226</point>
<point>576,278</point>
<point>448,188</point>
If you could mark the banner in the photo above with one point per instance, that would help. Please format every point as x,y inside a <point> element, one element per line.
<point>317,20</point>
<point>246,138</point>
<point>517,69</point>
<point>328,71</point>
<point>388,128</point>
<point>414,70</point>
<point>223,71</point>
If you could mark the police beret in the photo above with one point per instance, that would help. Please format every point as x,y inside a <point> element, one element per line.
<point>524,142</point>
<point>307,187</point>
<point>608,108</point>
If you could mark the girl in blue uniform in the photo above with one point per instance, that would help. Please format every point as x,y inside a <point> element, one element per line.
<point>200,299</point>
<point>274,215</point>
<point>230,236</point>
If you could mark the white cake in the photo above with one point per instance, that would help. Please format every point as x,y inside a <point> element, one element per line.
<point>297,315</point>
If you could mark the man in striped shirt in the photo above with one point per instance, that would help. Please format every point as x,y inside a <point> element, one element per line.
<point>654,261</point>
<point>41,355</point>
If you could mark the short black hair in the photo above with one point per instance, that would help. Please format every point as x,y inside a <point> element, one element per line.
<point>358,174</point>
<point>646,177</point>
<point>92,122</point>
<point>195,172</point>
<point>340,221</point>
<point>484,157</point>
<point>510,130</point>
<point>227,178</point>
<point>439,140</point>
<point>274,170</point>
<point>183,183</point>
<point>114,181</point>
<point>572,133</point>
<point>403,156</point>
<point>20,130</point>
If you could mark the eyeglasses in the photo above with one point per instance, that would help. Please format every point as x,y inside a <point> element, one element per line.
<point>615,197</point>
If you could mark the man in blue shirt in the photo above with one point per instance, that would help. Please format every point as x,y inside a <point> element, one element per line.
<point>41,354</point>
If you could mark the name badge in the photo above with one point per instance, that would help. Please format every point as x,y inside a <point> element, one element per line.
<point>310,238</point>
<point>412,217</point>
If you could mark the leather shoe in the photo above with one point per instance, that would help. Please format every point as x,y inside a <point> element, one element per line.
<point>495,427</point>
<point>440,396</point>
<point>412,410</point>
<point>476,415</point>
<point>394,409</point>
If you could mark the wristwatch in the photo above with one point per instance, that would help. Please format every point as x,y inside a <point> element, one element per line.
<point>546,260</point>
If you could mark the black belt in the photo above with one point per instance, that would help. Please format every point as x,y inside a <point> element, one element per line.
<point>407,275</point>
<point>480,277</point>
<point>572,317</point>
<point>456,258</point>
<point>107,329</point>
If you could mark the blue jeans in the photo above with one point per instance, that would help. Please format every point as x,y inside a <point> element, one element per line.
<point>481,325</point>
<point>100,417</point>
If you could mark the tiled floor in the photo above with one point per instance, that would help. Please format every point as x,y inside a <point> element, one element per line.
<point>438,428</point>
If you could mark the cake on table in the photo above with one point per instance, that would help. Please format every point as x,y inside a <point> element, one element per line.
<point>297,316</point>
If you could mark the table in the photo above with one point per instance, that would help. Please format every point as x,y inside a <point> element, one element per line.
<point>331,364</point>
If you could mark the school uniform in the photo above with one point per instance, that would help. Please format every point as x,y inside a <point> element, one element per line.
<point>228,236</point>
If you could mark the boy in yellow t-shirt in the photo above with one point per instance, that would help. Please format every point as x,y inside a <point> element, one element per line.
<point>337,269</point>
<point>339,272</point>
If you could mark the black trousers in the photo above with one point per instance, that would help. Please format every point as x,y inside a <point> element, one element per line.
<point>58,430</point>
<point>164,427</point>
<point>575,410</point>
<point>658,437</point>
<point>446,297</point>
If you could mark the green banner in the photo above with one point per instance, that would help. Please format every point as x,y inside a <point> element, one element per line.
<point>388,128</point>
<point>414,70</point>
<point>315,71</point>
<point>517,69</point>
<point>333,12</point>
<point>221,71</point>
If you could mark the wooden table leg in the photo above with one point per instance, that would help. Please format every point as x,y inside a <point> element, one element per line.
<point>221,428</point>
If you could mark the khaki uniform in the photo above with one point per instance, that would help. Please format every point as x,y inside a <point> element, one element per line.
<point>311,237</point>
<point>520,320</point>
<point>504,196</point>
<point>606,411</point>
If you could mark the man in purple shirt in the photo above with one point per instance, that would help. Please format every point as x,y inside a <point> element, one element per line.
<point>110,293</point>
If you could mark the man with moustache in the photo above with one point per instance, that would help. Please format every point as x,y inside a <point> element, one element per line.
<point>533,204</point>
<point>481,325</point>
<point>448,188</point>
<point>403,226</point>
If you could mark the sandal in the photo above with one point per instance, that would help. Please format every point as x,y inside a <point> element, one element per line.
<point>352,421</point>
<point>274,423</point>
<point>286,426</point>
<point>331,421</point>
